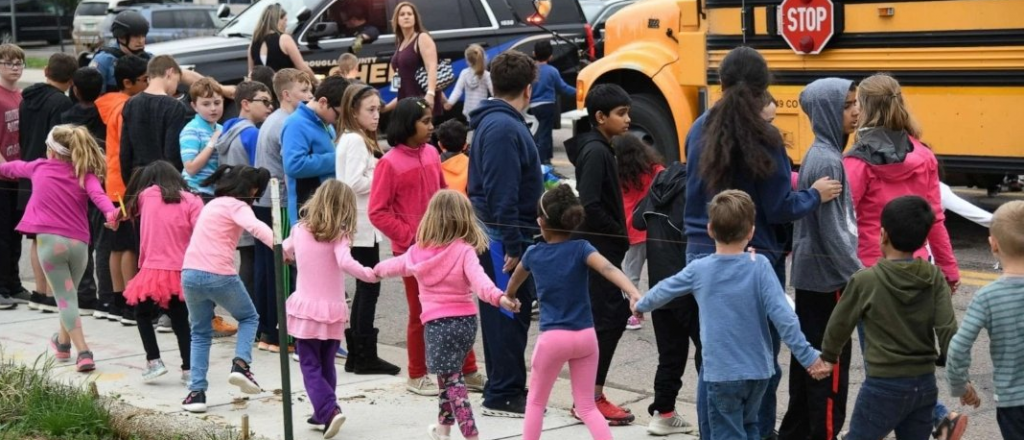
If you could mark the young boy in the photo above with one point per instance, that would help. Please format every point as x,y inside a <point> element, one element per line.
<point>40,110</point>
<point>293,87</point>
<point>153,120</point>
<point>130,74</point>
<point>88,83</point>
<point>604,225</point>
<point>12,65</point>
<point>997,308</point>
<point>451,136</point>
<point>904,305</point>
<point>817,409</point>
<point>544,100</point>
<point>348,67</point>
<point>735,291</point>
<point>198,138</point>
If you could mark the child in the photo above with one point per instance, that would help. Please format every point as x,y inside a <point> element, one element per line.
<point>293,87</point>
<point>451,135</point>
<point>445,263</point>
<point>263,75</point>
<point>198,139</point>
<point>735,291</point>
<point>348,67</point>
<point>997,308</point>
<point>638,163</point>
<point>130,72</point>
<point>824,259</point>
<point>209,278</point>
<point>153,120</point>
<point>474,81</point>
<point>604,226</point>
<point>40,110</point>
<point>905,308</point>
<point>56,214</point>
<point>12,66</point>
<point>358,153</point>
<point>403,183</point>
<point>544,99</point>
<point>169,213</point>
<point>560,270</point>
<point>88,82</point>
<point>319,245</point>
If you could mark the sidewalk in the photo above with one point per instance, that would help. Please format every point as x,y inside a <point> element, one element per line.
<point>378,407</point>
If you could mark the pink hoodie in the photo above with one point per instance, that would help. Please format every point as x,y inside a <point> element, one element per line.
<point>403,183</point>
<point>873,186</point>
<point>447,277</point>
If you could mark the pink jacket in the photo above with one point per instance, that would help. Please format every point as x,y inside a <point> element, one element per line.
<point>212,248</point>
<point>447,277</point>
<point>403,183</point>
<point>873,186</point>
<point>317,309</point>
<point>166,228</point>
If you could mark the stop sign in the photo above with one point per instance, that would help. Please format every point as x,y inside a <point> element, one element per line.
<point>806,25</point>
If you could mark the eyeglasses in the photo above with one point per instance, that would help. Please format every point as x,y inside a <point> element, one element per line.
<point>11,65</point>
<point>265,101</point>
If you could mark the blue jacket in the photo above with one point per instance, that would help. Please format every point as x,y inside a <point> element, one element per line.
<point>549,83</point>
<point>775,201</point>
<point>104,62</point>
<point>307,152</point>
<point>505,180</point>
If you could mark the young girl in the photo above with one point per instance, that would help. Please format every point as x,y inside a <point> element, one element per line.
<point>169,212</point>
<point>317,312</point>
<point>209,278</point>
<point>62,186</point>
<point>445,263</point>
<point>403,183</point>
<point>474,81</point>
<point>638,164</point>
<point>357,158</point>
<point>559,267</point>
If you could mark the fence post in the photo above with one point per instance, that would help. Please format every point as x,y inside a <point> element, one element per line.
<point>281,273</point>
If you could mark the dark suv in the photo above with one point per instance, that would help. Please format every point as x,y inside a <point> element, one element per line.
<point>35,20</point>
<point>497,25</point>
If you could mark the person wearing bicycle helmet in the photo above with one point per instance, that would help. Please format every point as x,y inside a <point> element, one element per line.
<point>129,28</point>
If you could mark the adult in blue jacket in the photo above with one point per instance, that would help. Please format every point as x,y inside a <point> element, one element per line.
<point>307,143</point>
<point>505,184</point>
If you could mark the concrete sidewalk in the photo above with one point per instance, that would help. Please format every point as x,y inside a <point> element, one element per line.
<point>378,407</point>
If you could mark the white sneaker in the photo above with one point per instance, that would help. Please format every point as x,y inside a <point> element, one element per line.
<point>163,324</point>
<point>669,425</point>
<point>154,369</point>
<point>422,386</point>
<point>432,433</point>
<point>295,357</point>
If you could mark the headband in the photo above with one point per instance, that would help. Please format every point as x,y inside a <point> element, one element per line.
<point>57,148</point>
<point>542,210</point>
<point>360,93</point>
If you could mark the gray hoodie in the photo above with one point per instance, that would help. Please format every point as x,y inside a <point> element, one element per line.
<point>230,151</point>
<point>825,241</point>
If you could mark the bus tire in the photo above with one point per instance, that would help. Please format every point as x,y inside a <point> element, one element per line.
<point>651,121</point>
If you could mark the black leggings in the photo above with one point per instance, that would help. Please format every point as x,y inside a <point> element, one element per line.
<point>364,306</point>
<point>147,311</point>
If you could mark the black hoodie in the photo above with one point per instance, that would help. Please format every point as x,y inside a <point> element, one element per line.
<point>597,182</point>
<point>660,213</point>
<point>40,110</point>
<point>89,117</point>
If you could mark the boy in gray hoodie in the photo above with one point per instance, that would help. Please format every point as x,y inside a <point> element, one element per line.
<point>824,260</point>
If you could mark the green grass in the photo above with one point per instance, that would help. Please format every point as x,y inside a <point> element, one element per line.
<point>35,62</point>
<point>32,405</point>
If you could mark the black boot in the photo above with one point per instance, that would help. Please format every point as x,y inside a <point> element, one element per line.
<point>354,352</point>
<point>368,362</point>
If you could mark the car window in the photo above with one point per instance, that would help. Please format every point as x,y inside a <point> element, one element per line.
<point>245,23</point>
<point>611,11</point>
<point>162,20</point>
<point>95,9</point>
<point>195,19</point>
<point>443,15</point>
<point>25,6</point>
<point>591,9</point>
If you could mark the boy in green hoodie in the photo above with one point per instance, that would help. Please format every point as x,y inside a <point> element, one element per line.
<point>904,304</point>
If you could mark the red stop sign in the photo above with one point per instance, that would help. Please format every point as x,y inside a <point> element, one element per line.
<point>806,25</point>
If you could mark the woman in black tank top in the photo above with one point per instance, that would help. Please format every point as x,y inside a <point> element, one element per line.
<point>271,45</point>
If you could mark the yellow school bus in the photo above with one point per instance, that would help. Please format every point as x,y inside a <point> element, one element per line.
<point>961,63</point>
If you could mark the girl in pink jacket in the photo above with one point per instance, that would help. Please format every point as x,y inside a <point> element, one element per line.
<point>445,263</point>
<point>321,245</point>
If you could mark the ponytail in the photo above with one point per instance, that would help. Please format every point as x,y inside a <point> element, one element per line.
<point>881,105</point>
<point>75,143</point>
<point>476,59</point>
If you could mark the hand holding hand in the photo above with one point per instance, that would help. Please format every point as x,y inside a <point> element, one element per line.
<point>820,369</point>
<point>970,397</point>
<point>511,304</point>
<point>828,188</point>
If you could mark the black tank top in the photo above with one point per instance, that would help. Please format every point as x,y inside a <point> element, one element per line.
<point>276,58</point>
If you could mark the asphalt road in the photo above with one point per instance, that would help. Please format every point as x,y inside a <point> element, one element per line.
<point>636,358</point>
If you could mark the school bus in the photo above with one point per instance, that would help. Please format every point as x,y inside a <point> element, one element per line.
<point>960,62</point>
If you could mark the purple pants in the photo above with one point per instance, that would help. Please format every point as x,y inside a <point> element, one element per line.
<point>316,359</point>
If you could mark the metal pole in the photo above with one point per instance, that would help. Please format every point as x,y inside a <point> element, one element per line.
<point>14,26</point>
<point>281,273</point>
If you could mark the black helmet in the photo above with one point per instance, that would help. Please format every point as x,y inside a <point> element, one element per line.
<point>129,23</point>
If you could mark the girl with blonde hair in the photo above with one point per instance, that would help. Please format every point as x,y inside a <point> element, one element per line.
<point>474,81</point>
<point>62,186</point>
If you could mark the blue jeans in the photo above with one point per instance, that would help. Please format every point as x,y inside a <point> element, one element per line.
<point>904,405</point>
<point>545,114</point>
<point>203,292</point>
<point>732,409</point>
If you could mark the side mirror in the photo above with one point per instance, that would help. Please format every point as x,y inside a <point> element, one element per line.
<point>223,11</point>
<point>303,15</point>
<point>322,30</point>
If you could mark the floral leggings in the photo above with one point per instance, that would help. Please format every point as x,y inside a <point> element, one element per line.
<point>454,403</point>
<point>64,261</point>
<point>448,341</point>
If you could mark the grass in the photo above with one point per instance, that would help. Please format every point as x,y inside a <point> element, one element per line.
<point>35,62</point>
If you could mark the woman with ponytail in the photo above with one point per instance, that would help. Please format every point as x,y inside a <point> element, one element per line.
<point>63,184</point>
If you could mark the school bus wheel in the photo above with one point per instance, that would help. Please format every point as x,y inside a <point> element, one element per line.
<point>651,120</point>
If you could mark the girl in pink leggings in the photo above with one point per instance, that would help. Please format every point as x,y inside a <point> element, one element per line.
<point>560,270</point>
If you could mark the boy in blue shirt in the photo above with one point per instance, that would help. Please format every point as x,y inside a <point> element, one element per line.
<point>198,139</point>
<point>544,99</point>
<point>735,293</point>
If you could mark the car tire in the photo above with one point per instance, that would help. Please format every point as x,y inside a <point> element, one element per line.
<point>651,121</point>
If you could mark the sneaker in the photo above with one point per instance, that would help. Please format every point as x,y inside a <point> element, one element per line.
<point>6,302</point>
<point>101,310</point>
<point>422,386</point>
<point>154,369</point>
<point>85,362</point>
<point>315,424</point>
<point>273,348</point>
<point>87,305</point>
<point>241,377</point>
<point>20,295</point>
<point>432,433</point>
<point>332,428</point>
<point>342,353</point>
<point>60,351</point>
<point>513,408</point>
<point>116,308</point>
<point>632,323</point>
<point>262,346</point>
<point>195,402</point>
<point>615,415</point>
<point>295,357</point>
<point>221,329</point>
<point>674,424</point>
<point>475,381</point>
<point>128,317</point>
<point>186,377</point>
<point>163,324</point>
<point>35,300</point>
<point>48,305</point>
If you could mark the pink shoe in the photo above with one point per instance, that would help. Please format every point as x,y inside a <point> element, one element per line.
<point>85,362</point>
<point>60,351</point>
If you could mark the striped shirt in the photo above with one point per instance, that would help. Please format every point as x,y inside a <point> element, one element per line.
<point>193,139</point>
<point>997,308</point>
